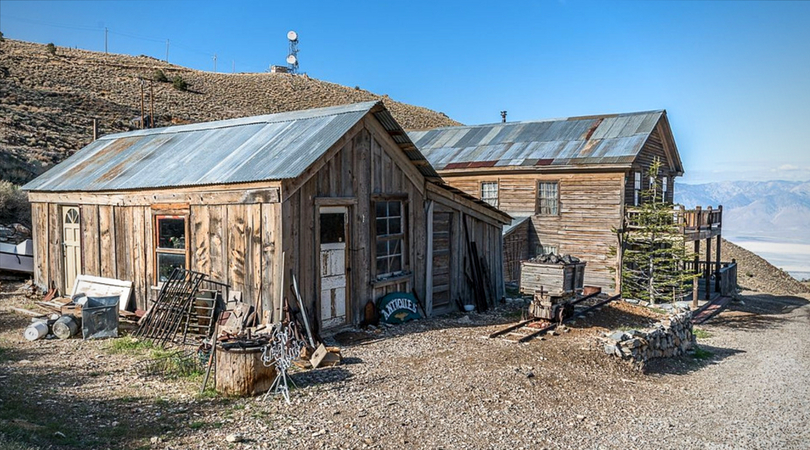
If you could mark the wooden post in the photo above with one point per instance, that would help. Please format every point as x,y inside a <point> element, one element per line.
<point>695,272</point>
<point>241,372</point>
<point>717,267</point>
<point>708,270</point>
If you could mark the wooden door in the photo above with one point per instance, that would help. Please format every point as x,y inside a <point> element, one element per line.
<point>71,246</point>
<point>442,224</point>
<point>333,236</point>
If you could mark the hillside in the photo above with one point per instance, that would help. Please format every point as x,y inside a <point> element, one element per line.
<point>756,274</point>
<point>777,210</point>
<point>48,102</point>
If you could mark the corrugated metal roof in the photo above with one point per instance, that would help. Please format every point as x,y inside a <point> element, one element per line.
<point>606,139</point>
<point>261,148</point>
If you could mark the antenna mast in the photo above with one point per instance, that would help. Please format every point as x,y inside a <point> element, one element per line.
<point>292,57</point>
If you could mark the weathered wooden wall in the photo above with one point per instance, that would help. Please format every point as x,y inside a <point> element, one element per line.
<point>590,204</point>
<point>516,249</point>
<point>653,148</point>
<point>367,165</point>
<point>235,243</point>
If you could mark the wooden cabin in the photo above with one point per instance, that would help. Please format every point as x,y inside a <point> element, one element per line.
<point>567,182</point>
<point>338,197</point>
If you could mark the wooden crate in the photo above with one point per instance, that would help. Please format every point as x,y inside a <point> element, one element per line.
<point>557,279</point>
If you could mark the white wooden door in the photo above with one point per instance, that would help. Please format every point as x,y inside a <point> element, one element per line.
<point>71,245</point>
<point>333,232</point>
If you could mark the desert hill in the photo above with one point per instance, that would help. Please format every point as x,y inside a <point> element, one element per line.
<point>48,101</point>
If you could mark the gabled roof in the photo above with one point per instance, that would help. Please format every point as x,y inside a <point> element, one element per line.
<point>607,140</point>
<point>261,148</point>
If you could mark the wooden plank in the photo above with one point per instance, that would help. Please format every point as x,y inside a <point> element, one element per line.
<point>248,193</point>
<point>307,254</point>
<point>200,252</point>
<point>218,243</point>
<point>149,252</point>
<point>253,255</point>
<point>269,265</point>
<point>90,240</point>
<point>236,248</point>
<point>55,263</point>
<point>106,224</point>
<point>140,285</point>
<point>39,217</point>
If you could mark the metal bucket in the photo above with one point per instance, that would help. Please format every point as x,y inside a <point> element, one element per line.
<point>65,327</point>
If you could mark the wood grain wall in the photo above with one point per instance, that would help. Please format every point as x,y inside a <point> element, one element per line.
<point>590,204</point>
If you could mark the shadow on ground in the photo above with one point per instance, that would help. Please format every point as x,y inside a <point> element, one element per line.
<point>704,355</point>
<point>758,312</point>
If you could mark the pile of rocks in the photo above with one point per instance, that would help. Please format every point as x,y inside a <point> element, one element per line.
<point>14,233</point>
<point>670,337</point>
<point>551,258</point>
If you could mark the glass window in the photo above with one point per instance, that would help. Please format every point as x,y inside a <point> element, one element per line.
<point>333,228</point>
<point>636,188</point>
<point>546,249</point>
<point>547,199</point>
<point>489,192</point>
<point>664,186</point>
<point>171,245</point>
<point>390,236</point>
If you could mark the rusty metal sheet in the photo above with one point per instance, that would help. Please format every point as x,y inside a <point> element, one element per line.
<point>605,139</point>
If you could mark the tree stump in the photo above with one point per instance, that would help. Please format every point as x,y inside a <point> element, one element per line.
<point>240,372</point>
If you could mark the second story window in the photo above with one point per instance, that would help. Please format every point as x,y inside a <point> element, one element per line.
<point>489,192</point>
<point>636,188</point>
<point>664,188</point>
<point>547,198</point>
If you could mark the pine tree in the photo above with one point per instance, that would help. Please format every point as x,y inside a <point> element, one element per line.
<point>653,249</point>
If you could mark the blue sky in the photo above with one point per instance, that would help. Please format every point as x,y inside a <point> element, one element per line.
<point>733,76</point>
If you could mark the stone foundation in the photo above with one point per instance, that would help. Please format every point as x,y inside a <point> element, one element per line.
<point>670,337</point>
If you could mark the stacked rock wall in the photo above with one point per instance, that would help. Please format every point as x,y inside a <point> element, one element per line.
<point>670,337</point>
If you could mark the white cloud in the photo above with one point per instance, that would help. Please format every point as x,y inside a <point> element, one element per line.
<point>786,167</point>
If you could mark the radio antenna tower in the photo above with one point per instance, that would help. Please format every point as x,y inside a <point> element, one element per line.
<point>292,57</point>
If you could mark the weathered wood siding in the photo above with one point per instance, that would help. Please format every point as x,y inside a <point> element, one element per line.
<point>235,243</point>
<point>590,204</point>
<point>653,148</point>
<point>516,249</point>
<point>367,166</point>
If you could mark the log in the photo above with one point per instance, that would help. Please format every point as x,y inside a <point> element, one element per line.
<point>240,372</point>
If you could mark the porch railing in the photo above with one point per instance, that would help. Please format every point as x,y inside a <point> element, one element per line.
<point>687,220</point>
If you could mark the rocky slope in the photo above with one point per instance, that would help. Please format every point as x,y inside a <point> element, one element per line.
<point>756,274</point>
<point>48,102</point>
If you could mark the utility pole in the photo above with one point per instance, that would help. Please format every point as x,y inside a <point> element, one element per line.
<point>152,105</point>
<point>142,104</point>
<point>105,39</point>
<point>215,62</point>
<point>167,50</point>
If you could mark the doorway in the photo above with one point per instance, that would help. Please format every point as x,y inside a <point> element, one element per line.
<point>333,225</point>
<point>71,245</point>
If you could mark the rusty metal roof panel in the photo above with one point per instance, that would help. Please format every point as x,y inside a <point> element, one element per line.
<point>270,147</point>
<point>605,139</point>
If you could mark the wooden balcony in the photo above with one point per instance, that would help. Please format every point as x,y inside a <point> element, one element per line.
<point>693,224</point>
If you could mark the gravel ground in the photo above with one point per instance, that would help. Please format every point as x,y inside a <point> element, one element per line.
<point>437,384</point>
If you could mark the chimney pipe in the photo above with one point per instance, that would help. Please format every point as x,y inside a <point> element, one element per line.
<point>95,129</point>
<point>503,116</point>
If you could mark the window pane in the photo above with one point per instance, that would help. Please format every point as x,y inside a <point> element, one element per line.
<point>382,248</point>
<point>332,228</point>
<point>171,233</point>
<point>382,210</point>
<point>167,262</point>
<point>395,247</point>
<point>396,264</point>
<point>382,266</point>
<point>395,226</point>
<point>393,209</point>
<point>547,199</point>
<point>382,227</point>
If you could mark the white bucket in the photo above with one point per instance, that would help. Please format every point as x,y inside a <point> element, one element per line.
<point>35,331</point>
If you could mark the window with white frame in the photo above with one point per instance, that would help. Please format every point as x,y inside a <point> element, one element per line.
<point>547,198</point>
<point>390,237</point>
<point>636,188</point>
<point>664,188</point>
<point>171,249</point>
<point>489,192</point>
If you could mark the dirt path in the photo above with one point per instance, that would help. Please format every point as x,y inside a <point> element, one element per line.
<point>439,384</point>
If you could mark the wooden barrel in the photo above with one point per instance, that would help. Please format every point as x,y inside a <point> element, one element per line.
<point>240,372</point>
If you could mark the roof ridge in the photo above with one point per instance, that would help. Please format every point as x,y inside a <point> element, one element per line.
<point>557,119</point>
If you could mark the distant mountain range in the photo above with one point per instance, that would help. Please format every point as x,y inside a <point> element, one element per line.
<point>777,211</point>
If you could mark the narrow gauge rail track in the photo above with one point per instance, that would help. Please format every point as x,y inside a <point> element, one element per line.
<point>526,330</point>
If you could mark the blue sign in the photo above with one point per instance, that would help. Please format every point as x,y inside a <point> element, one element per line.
<point>397,307</point>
